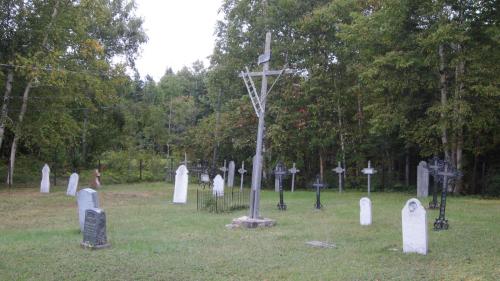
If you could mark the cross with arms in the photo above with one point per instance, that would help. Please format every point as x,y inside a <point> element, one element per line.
<point>259,105</point>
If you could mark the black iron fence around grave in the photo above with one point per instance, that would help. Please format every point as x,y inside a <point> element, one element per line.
<point>233,199</point>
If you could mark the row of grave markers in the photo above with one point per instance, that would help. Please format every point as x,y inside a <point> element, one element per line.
<point>72,182</point>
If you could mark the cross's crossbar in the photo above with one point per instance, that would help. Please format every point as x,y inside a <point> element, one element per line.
<point>268,73</point>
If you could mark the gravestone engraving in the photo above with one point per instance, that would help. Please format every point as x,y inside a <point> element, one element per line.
<point>365,211</point>
<point>218,189</point>
<point>72,185</point>
<point>87,198</point>
<point>230,175</point>
<point>422,179</point>
<point>94,231</point>
<point>181,185</point>
<point>414,222</point>
<point>339,170</point>
<point>242,172</point>
<point>45,183</point>
<point>96,179</point>
<point>293,171</point>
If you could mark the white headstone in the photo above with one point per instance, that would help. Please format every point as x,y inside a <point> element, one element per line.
<point>87,198</point>
<point>230,176</point>
<point>181,184</point>
<point>414,227</point>
<point>45,184</point>
<point>218,189</point>
<point>72,184</point>
<point>365,211</point>
<point>276,184</point>
<point>422,179</point>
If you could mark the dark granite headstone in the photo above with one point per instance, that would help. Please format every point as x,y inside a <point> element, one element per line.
<point>94,231</point>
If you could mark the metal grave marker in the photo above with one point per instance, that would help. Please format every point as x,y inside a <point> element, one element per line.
<point>369,171</point>
<point>318,185</point>
<point>242,172</point>
<point>435,164</point>
<point>448,174</point>
<point>293,171</point>
<point>279,173</point>
<point>339,170</point>
<point>224,170</point>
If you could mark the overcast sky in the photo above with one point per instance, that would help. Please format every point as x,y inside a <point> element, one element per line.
<point>180,32</point>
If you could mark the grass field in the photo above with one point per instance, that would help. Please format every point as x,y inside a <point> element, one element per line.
<point>153,239</point>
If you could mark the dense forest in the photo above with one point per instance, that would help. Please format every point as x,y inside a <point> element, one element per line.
<point>391,81</point>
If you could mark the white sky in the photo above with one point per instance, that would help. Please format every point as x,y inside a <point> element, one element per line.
<point>180,32</point>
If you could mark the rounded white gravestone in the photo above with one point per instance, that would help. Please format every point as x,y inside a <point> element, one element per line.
<point>365,211</point>
<point>87,198</point>
<point>45,184</point>
<point>72,185</point>
<point>414,227</point>
<point>181,184</point>
<point>218,189</point>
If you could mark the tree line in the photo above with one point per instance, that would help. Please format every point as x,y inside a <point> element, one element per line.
<point>394,82</point>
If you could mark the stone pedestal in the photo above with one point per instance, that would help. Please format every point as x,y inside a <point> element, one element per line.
<point>247,222</point>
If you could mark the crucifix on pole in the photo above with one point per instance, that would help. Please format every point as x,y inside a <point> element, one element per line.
<point>259,105</point>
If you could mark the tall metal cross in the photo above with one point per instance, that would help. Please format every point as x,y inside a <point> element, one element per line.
<point>448,173</point>
<point>242,172</point>
<point>339,170</point>
<point>318,184</point>
<point>369,171</point>
<point>435,164</point>
<point>293,171</point>
<point>279,173</point>
<point>259,105</point>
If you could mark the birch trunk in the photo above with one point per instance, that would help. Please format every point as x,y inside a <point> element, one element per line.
<point>24,105</point>
<point>459,78</point>
<point>444,100</point>
<point>5,105</point>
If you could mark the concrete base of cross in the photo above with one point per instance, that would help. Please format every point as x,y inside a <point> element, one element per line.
<point>247,222</point>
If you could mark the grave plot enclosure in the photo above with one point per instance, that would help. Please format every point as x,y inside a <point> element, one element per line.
<point>234,199</point>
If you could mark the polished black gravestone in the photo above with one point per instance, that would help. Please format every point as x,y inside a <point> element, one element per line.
<point>94,231</point>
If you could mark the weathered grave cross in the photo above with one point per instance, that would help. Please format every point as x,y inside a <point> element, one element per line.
<point>185,162</point>
<point>293,171</point>
<point>242,172</point>
<point>448,173</point>
<point>259,105</point>
<point>339,170</point>
<point>369,171</point>
<point>434,166</point>
<point>280,172</point>
<point>224,170</point>
<point>318,184</point>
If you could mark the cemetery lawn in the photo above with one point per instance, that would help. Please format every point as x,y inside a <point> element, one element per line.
<point>153,239</point>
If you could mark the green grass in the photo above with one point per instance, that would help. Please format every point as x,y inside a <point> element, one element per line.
<point>153,239</point>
